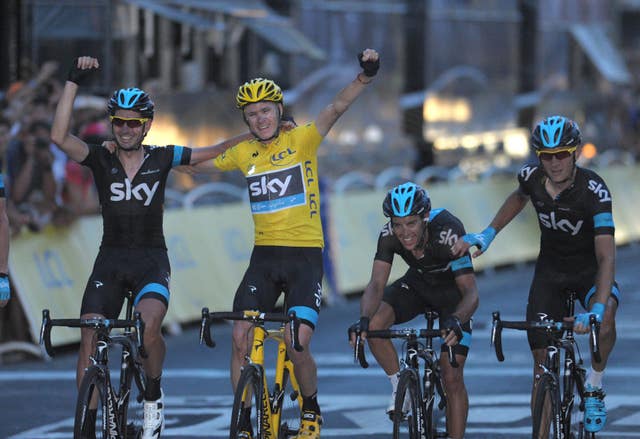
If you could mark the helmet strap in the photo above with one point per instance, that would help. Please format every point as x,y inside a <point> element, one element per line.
<point>423,239</point>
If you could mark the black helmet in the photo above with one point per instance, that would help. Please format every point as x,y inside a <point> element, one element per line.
<point>405,200</point>
<point>131,99</point>
<point>555,132</point>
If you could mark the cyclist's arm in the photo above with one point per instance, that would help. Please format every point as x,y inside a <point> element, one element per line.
<point>512,206</point>
<point>75,148</point>
<point>468,304</point>
<point>374,290</point>
<point>344,98</point>
<point>4,242</point>
<point>201,157</point>
<point>605,249</point>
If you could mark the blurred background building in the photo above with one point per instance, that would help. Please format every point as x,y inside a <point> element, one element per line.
<point>462,81</point>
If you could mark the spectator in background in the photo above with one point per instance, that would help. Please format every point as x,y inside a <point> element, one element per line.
<point>32,185</point>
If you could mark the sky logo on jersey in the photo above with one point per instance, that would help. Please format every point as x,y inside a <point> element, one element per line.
<point>141,192</point>
<point>447,237</point>
<point>599,190</point>
<point>278,190</point>
<point>564,225</point>
<point>526,172</point>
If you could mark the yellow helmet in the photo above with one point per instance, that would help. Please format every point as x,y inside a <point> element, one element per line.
<point>256,90</point>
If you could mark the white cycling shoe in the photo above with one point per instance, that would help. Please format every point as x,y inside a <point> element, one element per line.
<point>153,419</point>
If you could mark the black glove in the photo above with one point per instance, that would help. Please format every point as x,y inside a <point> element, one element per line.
<point>79,76</point>
<point>358,327</point>
<point>369,68</point>
<point>452,323</point>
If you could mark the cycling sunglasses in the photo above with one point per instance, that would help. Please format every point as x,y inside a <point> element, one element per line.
<point>132,122</point>
<point>559,154</point>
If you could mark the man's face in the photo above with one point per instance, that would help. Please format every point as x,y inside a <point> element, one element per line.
<point>263,118</point>
<point>408,230</point>
<point>558,163</point>
<point>127,134</point>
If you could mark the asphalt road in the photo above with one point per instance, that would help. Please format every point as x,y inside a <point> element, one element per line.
<point>37,397</point>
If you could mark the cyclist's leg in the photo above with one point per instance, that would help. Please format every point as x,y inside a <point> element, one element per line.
<point>453,380</point>
<point>302,275</point>
<point>149,271</point>
<point>102,298</point>
<point>257,291</point>
<point>546,296</point>
<point>608,327</point>
<point>595,415</point>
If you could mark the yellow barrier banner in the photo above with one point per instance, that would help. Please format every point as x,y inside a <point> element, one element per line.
<point>210,247</point>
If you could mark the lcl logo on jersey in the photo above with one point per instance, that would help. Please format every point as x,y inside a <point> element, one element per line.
<point>273,191</point>
<point>283,158</point>
<point>141,192</point>
<point>599,190</point>
<point>564,225</point>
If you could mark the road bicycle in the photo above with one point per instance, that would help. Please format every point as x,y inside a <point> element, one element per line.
<point>115,418</point>
<point>558,409</point>
<point>414,414</point>
<point>276,409</point>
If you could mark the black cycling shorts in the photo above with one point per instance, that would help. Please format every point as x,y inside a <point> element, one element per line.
<point>410,296</point>
<point>548,295</point>
<point>296,271</point>
<point>145,272</point>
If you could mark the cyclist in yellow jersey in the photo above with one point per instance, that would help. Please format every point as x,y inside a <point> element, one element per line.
<point>282,177</point>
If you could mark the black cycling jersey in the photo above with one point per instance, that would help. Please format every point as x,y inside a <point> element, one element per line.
<point>570,222</point>
<point>437,266</point>
<point>132,210</point>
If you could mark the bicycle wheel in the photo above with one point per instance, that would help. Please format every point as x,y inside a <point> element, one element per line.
<point>407,413</point>
<point>131,412</point>
<point>291,403</point>
<point>247,412</point>
<point>103,423</point>
<point>547,419</point>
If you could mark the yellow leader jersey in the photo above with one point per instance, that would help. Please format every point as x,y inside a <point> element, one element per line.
<point>282,179</point>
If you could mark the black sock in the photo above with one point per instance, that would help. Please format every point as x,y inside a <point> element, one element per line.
<point>152,391</point>
<point>310,403</point>
<point>90,427</point>
<point>245,419</point>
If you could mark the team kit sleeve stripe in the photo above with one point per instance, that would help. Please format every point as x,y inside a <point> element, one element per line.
<point>181,156</point>
<point>461,263</point>
<point>604,219</point>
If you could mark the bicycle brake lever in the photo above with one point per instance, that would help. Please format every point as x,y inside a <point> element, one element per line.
<point>359,352</point>
<point>205,329</point>
<point>595,337</point>
<point>140,334</point>
<point>45,333</point>
<point>452,357</point>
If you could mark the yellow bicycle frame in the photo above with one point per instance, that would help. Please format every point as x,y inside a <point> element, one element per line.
<point>272,403</point>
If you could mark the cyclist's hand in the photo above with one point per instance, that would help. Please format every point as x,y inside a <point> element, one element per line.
<point>451,330</point>
<point>481,240</point>
<point>287,123</point>
<point>360,327</point>
<point>81,69</point>
<point>5,290</point>
<point>581,322</point>
<point>369,61</point>
<point>110,145</point>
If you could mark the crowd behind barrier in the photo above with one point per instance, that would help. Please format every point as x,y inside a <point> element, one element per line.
<point>209,246</point>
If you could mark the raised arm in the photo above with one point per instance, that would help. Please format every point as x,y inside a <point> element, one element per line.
<point>75,148</point>
<point>369,61</point>
<point>205,154</point>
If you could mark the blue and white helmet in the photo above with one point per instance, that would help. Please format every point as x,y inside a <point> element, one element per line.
<point>405,200</point>
<point>131,98</point>
<point>555,132</point>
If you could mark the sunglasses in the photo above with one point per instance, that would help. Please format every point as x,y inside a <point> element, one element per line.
<point>560,155</point>
<point>132,122</point>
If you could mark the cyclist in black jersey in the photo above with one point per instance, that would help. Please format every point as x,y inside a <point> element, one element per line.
<point>577,246</point>
<point>133,255</point>
<point>422,237</point>
<point>5,290</point>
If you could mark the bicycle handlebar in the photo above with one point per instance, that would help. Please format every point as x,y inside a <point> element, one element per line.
<point>93,323</point>
<point>402,333</point>
<point>543,325</point>
<point>255,317</point>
